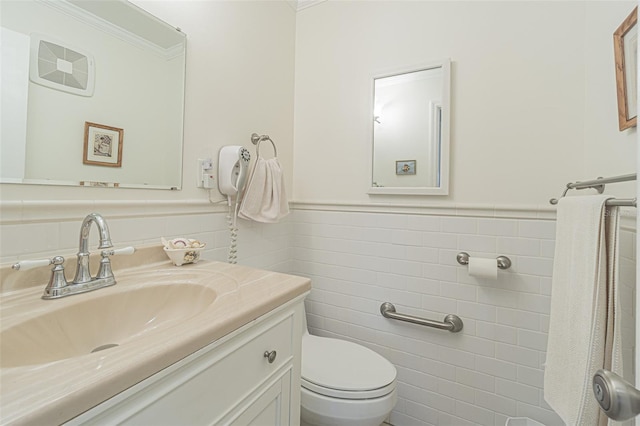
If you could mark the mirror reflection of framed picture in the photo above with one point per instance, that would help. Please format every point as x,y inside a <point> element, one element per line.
<point>625,42</point>
<point>406,167</point>
<point>102,145</point>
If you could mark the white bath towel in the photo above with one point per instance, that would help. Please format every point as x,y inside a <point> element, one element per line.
<point>265,199</point>
<point>582,334</point>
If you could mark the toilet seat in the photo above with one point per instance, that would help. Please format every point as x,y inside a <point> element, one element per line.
<point>341,369</point>
<point>353,395</point>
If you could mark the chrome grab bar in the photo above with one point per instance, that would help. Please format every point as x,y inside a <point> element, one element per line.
<point>451,322</point>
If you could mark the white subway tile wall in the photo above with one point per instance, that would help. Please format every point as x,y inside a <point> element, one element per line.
<point>482,375</point>
<point>491,370</point>
<point>266,247</point>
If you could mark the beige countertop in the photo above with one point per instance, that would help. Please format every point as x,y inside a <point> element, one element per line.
<point>52,392</point>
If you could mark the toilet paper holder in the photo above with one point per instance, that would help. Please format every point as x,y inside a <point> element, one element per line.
<point>503,262</point>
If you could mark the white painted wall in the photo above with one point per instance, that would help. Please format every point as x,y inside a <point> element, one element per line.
<point>522,73</point>
<point>240,59</point>
<point>608,152</point>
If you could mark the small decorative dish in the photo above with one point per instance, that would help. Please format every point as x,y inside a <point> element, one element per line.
<point>183,251</point>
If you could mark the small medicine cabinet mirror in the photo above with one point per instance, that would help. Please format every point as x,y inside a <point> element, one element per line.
<point>410,119</point>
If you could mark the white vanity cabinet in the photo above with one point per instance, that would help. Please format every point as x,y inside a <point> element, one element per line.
<point>232,381</point>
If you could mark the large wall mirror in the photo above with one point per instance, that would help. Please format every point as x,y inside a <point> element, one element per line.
<point>92,95</point>
<point>410,119</point>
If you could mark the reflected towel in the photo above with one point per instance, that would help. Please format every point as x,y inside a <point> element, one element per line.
<point>265,199</point>
<point>583,336</point>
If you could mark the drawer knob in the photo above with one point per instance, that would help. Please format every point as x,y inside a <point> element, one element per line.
<point>271,356</point>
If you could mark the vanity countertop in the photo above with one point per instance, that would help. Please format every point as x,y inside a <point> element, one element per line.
<point>54,392</point>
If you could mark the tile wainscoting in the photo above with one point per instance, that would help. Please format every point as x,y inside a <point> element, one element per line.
<point>41,230</point>
<point>491,370</point>
<point>359,257</point>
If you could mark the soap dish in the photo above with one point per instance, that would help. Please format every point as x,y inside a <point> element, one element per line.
<point>182,251</point>
<point>183,256</point>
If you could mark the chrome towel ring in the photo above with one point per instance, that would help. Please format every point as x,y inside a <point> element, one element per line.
<point>257,139</point>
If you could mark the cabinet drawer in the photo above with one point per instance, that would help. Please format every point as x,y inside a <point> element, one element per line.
<point>246,368</point>
<point>210,385</point>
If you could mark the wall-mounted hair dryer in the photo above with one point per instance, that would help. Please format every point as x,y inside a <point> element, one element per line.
<point>233,168</point>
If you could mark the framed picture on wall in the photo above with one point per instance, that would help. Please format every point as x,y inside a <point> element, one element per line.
<point>406,167</point>
<point>102,145</point>
<point>625,43</point>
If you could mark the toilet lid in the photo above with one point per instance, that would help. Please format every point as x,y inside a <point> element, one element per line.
<point>344,366</point>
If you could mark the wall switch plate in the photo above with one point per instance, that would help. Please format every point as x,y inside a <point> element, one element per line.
<point>204,174</point>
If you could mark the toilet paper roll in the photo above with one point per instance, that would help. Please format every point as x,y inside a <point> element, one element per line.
<point>483,268</point>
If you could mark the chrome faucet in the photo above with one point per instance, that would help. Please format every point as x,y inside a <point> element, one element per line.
<point>83,281</point>
<point>83,275</point>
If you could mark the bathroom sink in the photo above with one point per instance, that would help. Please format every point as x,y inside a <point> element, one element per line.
<point>101,322</point>
<point>157,314</point>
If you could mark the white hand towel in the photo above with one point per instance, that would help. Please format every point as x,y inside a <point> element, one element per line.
<point>577,341</point>
<point>265,199</point>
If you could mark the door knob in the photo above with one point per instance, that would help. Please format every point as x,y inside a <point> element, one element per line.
<point>618,399</point>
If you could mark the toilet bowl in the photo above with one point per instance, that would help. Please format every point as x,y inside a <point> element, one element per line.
<point>344,384</point>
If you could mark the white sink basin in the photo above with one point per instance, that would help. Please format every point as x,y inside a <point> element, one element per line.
<point>99,323</point>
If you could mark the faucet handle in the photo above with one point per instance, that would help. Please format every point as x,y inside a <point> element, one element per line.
<point>57,286</point>
<point>125,250</point>
<point>25,265</point>
<point>105,271</point>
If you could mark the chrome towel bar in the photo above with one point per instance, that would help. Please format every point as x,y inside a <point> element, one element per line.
<point>452,322</point>
<point>598,184</point>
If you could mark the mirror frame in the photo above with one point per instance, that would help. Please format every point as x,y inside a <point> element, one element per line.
<point>443,189</point>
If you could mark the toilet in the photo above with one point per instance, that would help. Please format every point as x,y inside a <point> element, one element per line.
<point>344,384</point>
